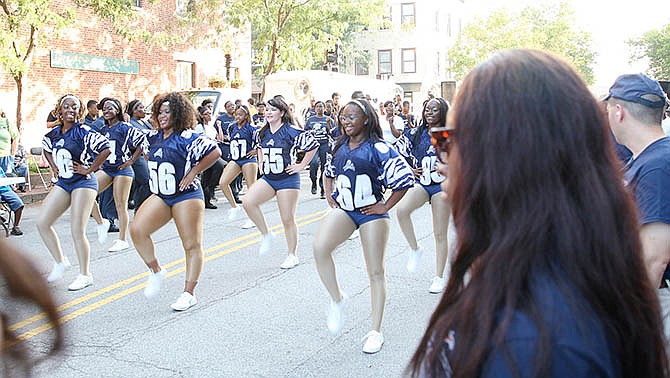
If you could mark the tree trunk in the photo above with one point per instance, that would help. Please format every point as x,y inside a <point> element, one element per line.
<point>19,94</point>
<point>273,57</point>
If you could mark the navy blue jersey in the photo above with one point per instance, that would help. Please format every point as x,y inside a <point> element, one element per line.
<point>79,144</point>
<point>242,140</point>
<point>95,124</point>
<point>407,120</point>
<point>258,120</point>
<point>223,122</point>
<point>320,127</point>
<point>123,140</point>
<point>420,151</point>
<point>578,339</point>
<point>648,175</point>
<point>281,149</point>
<point>364,173</point>
<point>172,158</point>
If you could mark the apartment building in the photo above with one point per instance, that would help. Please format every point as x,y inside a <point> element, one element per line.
<point>412,50</point>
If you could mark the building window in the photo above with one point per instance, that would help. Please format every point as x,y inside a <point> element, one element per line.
<point>408,60</point>
<point>362,68</point>
<point>407,11</point>
<point>185,78</point>
<point>386,22</point>
<point>385,62</point>
<point>183,6</point>
<point>137,3</point>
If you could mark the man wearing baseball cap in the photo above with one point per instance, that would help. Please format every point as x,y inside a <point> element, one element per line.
<point>635,107</point>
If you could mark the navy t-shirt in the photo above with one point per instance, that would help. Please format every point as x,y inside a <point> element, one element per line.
<point>578,341</point>
<point>648,176</point>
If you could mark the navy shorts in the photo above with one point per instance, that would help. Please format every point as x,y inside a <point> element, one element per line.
<point>291,182</point>
<point>359,218</point>
<point>113,172</point>
<point>89,183</point>
<point>12,199</point>
<point>197,194</point>
<point>225,151</point>
<point>432,189</point>
<point>242,162</point>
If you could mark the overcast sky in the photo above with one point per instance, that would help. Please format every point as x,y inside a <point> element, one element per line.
<point>611,23</point>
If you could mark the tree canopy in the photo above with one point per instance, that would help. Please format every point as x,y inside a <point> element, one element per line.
<point>548,27</point>
<point>294,34</point>
<point>655,46</point>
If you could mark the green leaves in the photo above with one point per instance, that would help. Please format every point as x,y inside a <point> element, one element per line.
<point>294,34</point>
<point>655,46</point>
<point>551,27</point>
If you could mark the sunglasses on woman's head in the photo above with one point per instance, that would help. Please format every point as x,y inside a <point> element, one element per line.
<point>442,138</point>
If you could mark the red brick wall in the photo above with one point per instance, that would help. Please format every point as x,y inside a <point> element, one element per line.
<point>44,84</point>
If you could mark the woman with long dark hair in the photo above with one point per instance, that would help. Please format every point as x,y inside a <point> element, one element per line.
<point>278,144</point>
<point>363,165</point>
<point>416,145</point>
<point>547,234</point>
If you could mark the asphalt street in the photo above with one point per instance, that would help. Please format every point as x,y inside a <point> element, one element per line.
<point>252,319</point>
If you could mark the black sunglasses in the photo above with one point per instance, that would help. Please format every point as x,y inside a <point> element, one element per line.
<point>442,138</point>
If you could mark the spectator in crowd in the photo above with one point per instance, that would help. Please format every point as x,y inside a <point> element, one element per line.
<point>258,119</point>
<point>21,166</point>
<point>9,138</point>
<point>548,279</point>
<point>15,203</point>
<point>92,119</point>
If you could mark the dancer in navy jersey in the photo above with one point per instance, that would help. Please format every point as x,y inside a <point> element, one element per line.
<point>362,166</point>
<point>126,144</point>
<point>278,145</point>
<point>74,151</point>
<point>242,157</point>
<point>416,144</point>
<point>176,156</point>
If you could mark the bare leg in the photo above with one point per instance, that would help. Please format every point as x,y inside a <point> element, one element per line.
<point>374,236</point>
<point>413,199</point>
<point>229,173</point>
<point>258,194</point>
<point>57,201</point>
<point>250,172</point>
<point>152,215</point>
<point>441,210</point>
<point>104,181</point>
<point>333,231</point>
<point>121,191</point>
<point>188,215</point>
<point>287,200</point>
<point>82,203</point>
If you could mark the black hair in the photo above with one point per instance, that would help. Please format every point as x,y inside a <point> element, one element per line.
<point>279,103</point>
<point>374,130</point>
<point>206,101</point>
<point>119,113</point>
<point>91,103</point>
<point>132,106</point>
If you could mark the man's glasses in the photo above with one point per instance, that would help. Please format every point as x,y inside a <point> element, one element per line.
<point>442,138</point>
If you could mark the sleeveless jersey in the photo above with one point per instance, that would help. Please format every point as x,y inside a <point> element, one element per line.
<point>364,173</point>
<point>242,140</point>
<point>123,138</point>
<point>422,154</point>
<point>79,144</point>
<point>172,158</point>
<point>281,149</point>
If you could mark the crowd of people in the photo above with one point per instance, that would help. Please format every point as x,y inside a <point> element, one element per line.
<point>561,245</point>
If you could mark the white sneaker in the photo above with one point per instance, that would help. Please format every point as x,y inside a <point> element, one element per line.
<point>234,213</point>
<point>81,282</point>
<point>266,243</point>
<point>373,342</point>
<point>290,262</point>
<point>437,285</point>
<point>354,235</point>
<point>336,315</point>
<point>184,302</point>
<point>119,245</point>
<point>248,224</point>
<point>58,270</point>
<point>413,258</point>
<point>102,231</point>
<point>154,283</point>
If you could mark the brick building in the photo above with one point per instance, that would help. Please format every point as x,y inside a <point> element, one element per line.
<point>92,61</point>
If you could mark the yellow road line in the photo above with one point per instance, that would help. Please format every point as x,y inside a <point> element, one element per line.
<point>86,309</point>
